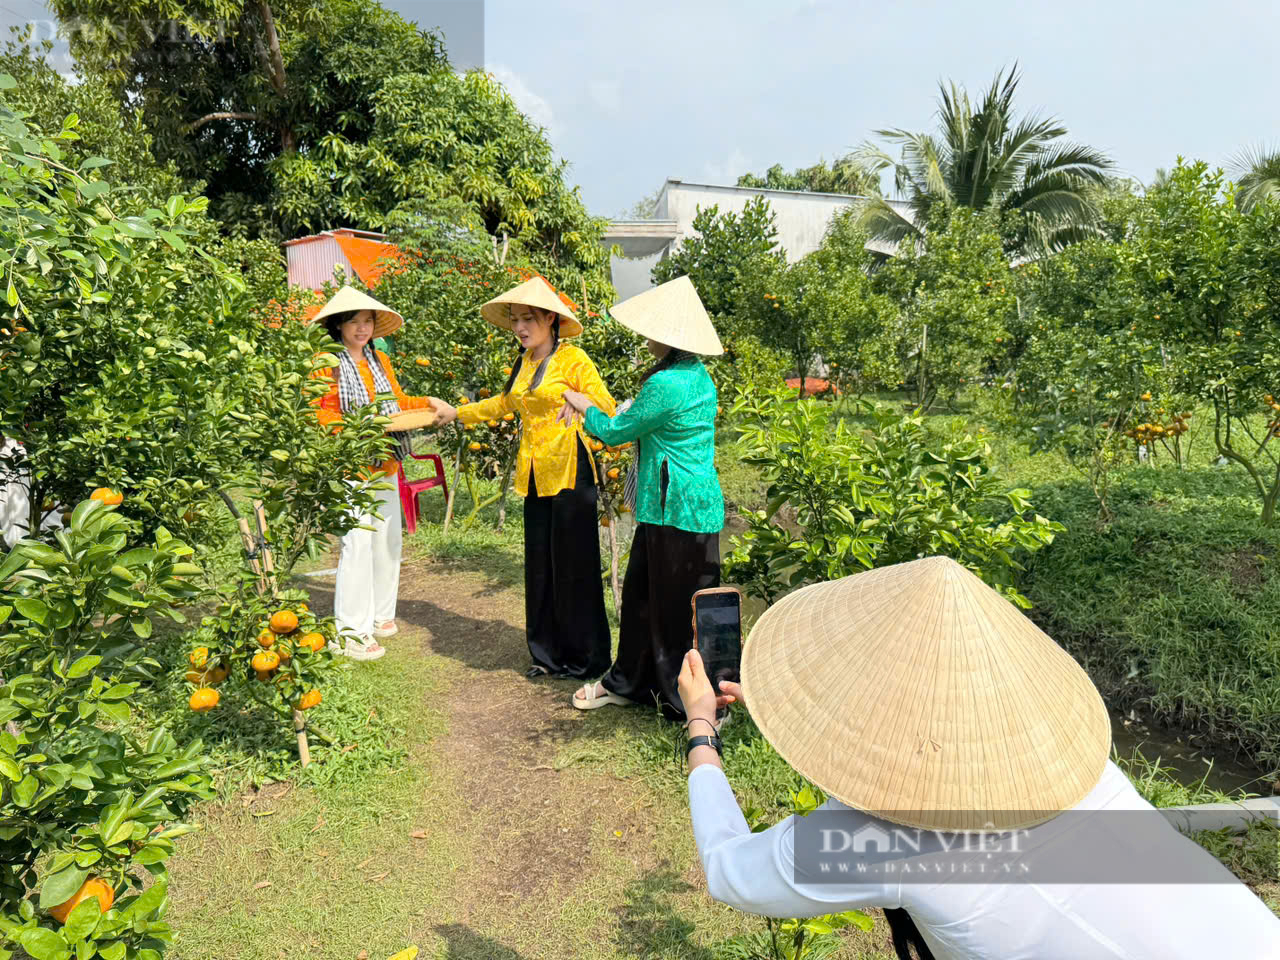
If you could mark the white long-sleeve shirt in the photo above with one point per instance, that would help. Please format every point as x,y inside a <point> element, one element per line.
<point>1010,920</point>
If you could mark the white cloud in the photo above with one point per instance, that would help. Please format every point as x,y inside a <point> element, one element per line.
<point>728,170</point>
<point>533,106</point>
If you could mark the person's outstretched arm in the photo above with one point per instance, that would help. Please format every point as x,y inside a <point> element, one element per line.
<point>753,872</point>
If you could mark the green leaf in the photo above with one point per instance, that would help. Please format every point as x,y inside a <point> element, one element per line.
<point>7,82</point>
<point>151,900</point>
<point>119,712</point>
<point>176,768</point>
<point>83,666</point>
<point>174,240</point>
<point>61,886</point>
<point>25,791</point>
<point>43,944</point>
<point>9,768</point>
<point>141,626</point>
<point>114,952</point>
<point>118,692</point>
<point>82,920</point>
<point>33,610</point>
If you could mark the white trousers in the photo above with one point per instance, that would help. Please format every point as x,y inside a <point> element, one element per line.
<point>369,568</point>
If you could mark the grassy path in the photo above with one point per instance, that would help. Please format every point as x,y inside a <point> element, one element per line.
<point>517,828</point>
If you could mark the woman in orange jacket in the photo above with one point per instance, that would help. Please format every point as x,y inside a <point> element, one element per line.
<point>565,620</point>
<point>364,598</point>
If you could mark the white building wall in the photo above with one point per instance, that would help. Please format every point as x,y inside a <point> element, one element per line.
<point>801,218</point>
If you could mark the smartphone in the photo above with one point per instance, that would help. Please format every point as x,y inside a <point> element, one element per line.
<point>717,632</point>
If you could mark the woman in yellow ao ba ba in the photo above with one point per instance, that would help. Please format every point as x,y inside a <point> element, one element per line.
<point>565,621</point>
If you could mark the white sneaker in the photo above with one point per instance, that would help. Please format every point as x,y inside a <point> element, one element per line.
<point>386,629</point>
<point>362,649</point>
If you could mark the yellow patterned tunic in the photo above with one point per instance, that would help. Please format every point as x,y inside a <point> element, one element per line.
<point>548,447</point>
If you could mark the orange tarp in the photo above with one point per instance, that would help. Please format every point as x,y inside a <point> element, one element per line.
<point>364,256</point>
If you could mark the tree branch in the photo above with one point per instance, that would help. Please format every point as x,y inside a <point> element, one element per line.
<point>276,62</point>
<point>223,115</point>
<point>275,70</point>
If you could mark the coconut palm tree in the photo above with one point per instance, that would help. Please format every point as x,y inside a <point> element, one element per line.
<point>1256,171</point>
<point>984,157</point>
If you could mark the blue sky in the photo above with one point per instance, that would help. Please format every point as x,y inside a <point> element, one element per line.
<point>632,92</point>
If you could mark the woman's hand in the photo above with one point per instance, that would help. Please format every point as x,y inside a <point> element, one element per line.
<point>567,416</point>
<point>579,401</point>
<point>696,695</point>
<point>446,412</point>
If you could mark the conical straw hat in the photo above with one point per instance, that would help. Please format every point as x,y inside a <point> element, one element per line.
<point>535,292</point>
<point>385,320</point>
<point>918,694</point>
<point>671,313</point>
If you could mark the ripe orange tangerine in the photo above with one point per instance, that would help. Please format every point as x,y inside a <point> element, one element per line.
<point>93,887</point>
<point>265,661</point>
<point>107,495</point>
<point>310,699</point>
<point>203,700</point>
<point>284,621</point>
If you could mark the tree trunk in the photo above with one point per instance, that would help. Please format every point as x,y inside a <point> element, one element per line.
<point>275,72</point>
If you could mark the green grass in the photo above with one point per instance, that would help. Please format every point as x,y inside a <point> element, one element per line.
<point>1170,609</point>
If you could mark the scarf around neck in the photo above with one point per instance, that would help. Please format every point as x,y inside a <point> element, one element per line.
<point>353,394</point>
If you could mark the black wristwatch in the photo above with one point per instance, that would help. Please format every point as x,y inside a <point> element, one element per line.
<point>703,741</point>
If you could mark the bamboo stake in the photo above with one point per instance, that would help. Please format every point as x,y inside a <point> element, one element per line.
<point>265,585</point>
<point>453,490</point>
<point>300,728</point>
<point>613,536</point>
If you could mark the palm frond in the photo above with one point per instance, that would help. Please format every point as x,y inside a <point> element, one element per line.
<point>1256,171</point>
<point>885,223</point>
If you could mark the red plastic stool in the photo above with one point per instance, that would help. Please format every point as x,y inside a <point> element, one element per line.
<point>409,490</point>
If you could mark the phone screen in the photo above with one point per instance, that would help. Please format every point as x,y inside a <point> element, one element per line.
<point>719,619</point>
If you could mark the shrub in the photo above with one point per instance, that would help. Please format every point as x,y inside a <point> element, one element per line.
<point>85,805</point>
<point>722,252</point>
<point>863,500</point>
<point>955,298</point>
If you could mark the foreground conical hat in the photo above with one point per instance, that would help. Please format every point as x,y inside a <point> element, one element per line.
<point>917,693</point>
<point>385,320</point>
<point>671,313</point>
<point>535,292</point>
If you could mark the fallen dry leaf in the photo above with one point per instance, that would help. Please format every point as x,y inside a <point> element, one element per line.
<point>379,878</point>
<point>262,884</point>
<point>362,955</point>
<point>419,834</point>
<point>348,748</point>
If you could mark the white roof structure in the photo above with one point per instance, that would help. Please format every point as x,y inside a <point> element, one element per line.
<point>801,218</point>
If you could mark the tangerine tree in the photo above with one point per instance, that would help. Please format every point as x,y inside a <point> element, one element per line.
<point>89,806</point>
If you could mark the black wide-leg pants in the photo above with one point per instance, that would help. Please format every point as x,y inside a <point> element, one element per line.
<point>667,566</point>
<point>564,615</point>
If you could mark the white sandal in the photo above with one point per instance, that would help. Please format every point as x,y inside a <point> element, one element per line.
<point>591,701</point>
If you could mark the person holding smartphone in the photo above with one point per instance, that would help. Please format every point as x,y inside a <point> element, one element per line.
<point>969,792</point>
<point>679,506</point>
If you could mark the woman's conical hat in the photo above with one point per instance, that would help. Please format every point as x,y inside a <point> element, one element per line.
<point>671,313</point>
<point>918,694</point>
<point>535,292</point>
<point>385,320</point>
